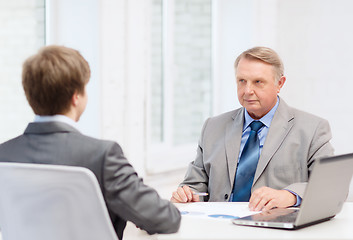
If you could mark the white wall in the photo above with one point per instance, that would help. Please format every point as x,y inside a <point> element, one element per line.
<point>316,44</point>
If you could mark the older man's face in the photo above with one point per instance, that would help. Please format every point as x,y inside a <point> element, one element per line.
<point>257,88</point>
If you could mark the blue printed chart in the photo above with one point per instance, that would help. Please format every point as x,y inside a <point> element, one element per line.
<point>217,211</point>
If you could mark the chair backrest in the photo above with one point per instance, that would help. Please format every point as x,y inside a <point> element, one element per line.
<point>42,202</point>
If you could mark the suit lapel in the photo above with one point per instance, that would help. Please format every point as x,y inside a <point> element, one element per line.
<point>233,135</point>
<point>281,124</point>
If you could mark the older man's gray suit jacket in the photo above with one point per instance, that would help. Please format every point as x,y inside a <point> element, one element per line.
<point>294,141</point>
<point>126,196</point>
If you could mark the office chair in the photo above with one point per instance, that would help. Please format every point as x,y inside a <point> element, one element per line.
<point>50,202</point>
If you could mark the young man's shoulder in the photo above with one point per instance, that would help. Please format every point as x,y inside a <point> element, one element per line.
<point>94,143</point>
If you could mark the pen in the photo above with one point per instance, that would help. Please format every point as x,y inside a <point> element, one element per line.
<point>201,193</point>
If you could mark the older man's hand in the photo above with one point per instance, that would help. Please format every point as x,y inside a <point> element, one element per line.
<point>183,195</point>
<point>266,198</point>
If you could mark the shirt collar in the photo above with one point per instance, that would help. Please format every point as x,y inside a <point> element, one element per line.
<point>266,120</point>
<point>56,118</point>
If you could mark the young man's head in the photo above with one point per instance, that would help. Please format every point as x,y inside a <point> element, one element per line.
<point>54,80</point>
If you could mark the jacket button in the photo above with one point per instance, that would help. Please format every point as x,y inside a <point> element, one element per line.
<point>225,196</point>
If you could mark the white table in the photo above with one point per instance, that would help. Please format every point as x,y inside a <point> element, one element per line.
<point>192,228</point>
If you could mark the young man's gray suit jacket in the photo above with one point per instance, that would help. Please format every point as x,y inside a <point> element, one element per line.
<point>126,196</point>
<point>294,141</point>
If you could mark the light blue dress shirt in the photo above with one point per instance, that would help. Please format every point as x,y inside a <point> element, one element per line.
<point>262,134</point>
<point>56,118</point>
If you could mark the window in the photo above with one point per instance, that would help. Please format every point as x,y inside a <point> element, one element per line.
<point>180,95</point>
<point>22,33</point>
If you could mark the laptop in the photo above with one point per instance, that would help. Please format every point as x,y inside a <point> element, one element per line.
<point>324,196</point>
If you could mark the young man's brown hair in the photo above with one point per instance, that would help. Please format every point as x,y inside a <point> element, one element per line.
<point>52,76</point>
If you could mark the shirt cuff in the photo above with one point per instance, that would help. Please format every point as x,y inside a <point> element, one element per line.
<point>299,199</point>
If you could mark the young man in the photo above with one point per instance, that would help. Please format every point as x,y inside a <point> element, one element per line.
<point>54,81</point>
<point>268,165</point>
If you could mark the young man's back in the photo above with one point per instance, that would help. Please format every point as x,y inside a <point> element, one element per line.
<point>54,81</point>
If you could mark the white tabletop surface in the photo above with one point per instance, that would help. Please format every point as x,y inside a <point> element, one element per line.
<point>203,228</point>
<point>340,227</point>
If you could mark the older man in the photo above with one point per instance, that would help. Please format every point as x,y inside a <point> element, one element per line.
<point>263,152</point>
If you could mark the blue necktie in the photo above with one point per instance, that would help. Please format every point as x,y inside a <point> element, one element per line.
<point>244,176</point>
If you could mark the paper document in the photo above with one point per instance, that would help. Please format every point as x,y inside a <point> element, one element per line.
<point>216,210</point>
